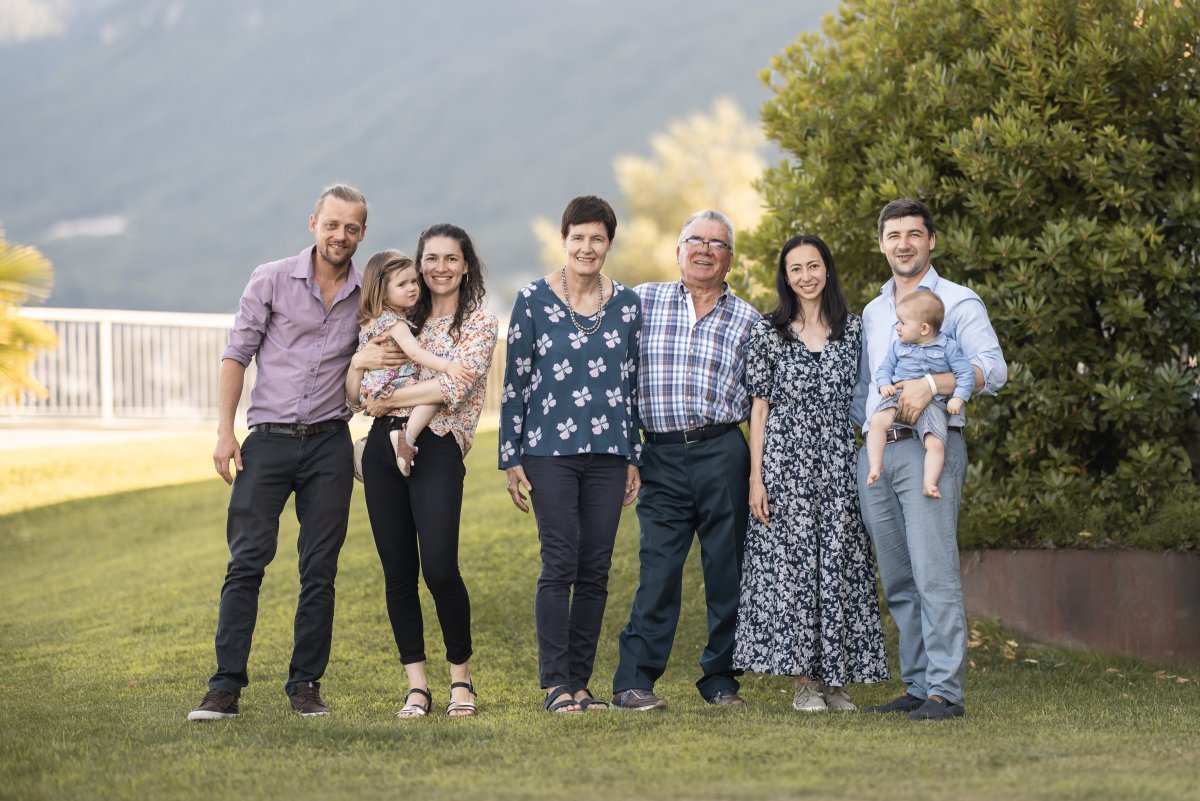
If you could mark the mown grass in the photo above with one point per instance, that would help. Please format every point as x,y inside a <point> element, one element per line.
<point>63,472</point>
<point>108,607</point>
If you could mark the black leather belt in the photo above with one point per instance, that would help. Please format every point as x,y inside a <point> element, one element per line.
<point>299,429</point>
<point>897,433</point>
<point>689,437</point>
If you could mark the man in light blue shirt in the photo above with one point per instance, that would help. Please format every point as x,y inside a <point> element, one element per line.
<point>915,536</point>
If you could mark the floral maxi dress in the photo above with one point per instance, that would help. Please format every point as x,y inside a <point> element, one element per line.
<point>808,605</point>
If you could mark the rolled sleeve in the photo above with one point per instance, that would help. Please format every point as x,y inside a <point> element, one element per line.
<point>474,349</point>
<point>250,322</point>
<point>976,337</point>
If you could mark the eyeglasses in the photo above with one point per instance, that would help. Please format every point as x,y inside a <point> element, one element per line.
<point>715,245</point>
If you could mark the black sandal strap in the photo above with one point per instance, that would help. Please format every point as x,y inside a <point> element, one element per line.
<point>551,697</point>
<point>419,691</point>
<point>470,687</point>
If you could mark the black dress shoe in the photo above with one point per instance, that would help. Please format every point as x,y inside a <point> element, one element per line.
<point>937,708</point>
<point>905,703</point>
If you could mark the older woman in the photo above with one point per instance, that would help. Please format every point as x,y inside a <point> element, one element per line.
<point>808,606</point>
<point>415,518</point>
<point>569,437</point>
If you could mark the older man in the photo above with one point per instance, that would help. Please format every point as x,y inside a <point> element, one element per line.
<point>695,463</point>
<point>916,536</point>
<point>298,320</point>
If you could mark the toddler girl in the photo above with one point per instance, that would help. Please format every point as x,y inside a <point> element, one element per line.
<point>389,290</point>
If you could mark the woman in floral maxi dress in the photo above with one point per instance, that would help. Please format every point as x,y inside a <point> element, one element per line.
<point>808,605</point>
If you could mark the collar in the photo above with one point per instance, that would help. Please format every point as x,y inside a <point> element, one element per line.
<point>928,281</point>
<point>303,269</point>
<point>941,341</point>
<point>682,291</point>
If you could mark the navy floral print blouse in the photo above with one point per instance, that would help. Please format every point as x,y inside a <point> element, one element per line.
<point>566,392</point>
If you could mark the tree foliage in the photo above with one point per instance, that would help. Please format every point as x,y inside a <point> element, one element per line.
<point>24,276</point>
<point>708,160</point>
<point>1056,142</point>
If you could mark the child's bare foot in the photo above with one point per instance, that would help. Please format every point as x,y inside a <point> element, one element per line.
<point>931,491</point>
<point>872,476</point>
<point>405,453</point>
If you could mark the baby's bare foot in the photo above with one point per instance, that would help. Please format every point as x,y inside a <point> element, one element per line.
<point>872,477</point>
<point>931,490</point>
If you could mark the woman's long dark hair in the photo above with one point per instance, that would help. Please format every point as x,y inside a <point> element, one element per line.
<point>470,291</point>
<point>833,303</point>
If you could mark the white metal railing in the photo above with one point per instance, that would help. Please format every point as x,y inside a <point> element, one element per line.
<point>112,366</point>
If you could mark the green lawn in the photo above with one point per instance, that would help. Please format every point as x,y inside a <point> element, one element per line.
<point>108,607</point>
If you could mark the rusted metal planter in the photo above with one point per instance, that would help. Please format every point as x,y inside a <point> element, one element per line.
<point>1141,603</point>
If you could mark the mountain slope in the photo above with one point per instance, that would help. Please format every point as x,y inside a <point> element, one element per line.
<point>190,139</point>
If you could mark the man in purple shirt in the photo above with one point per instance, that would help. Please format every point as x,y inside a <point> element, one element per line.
<point>297,320</point>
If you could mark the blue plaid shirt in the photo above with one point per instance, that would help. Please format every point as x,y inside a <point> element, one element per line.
<point>693,372</point>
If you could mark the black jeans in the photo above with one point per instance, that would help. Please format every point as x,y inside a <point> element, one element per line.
<point>577,503</point>
<point>415,522</point>
<point>320,470</point>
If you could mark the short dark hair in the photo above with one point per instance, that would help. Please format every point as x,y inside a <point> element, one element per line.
<point>906,207</point>
<point>589,209</point>
<point>345,193</point>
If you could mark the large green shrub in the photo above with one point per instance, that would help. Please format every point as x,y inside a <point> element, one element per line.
<point>1058,144</point>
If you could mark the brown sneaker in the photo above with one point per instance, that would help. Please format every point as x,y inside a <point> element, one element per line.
<point>217,704</point>
<point>307,701</point>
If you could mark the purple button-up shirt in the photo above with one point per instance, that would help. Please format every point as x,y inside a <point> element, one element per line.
<point>302,351</point>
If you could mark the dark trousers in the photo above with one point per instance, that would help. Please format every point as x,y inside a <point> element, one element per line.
<point>415,524</point>
<point>688,490</point>
<point>577,503</point>
<point>320,470</point>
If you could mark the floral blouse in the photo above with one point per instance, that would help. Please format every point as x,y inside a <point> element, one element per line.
<point>381,383</point>
<point>461,403</point>
<point>566,392</point>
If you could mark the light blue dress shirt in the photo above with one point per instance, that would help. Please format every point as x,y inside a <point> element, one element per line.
<point>966,322</point>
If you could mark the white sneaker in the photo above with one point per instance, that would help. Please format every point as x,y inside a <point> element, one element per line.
<point>808,698</point>
<point>836,698</point>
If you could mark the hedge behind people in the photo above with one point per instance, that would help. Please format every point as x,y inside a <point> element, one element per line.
<point>1055,143</point>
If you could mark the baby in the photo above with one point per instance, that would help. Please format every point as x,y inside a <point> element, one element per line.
<point>921,349</point>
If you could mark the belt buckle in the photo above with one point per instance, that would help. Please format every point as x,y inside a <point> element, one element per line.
<point>687,441</point>
<point>891,435</point>
<point>300,429</point>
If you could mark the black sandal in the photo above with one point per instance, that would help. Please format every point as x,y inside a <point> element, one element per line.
<point>466,707</point>
<point>410,711</point>
<point>591,701</point>
<point>554,695</point>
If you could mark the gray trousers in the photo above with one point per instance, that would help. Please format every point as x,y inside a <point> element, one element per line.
<point>916,545</point>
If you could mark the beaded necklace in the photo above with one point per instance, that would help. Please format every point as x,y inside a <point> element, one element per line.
<point>599,304</point>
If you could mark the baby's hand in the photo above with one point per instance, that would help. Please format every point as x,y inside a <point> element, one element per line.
<point>460,372</point>
<point>887,390</point>
<point>954,405</point>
